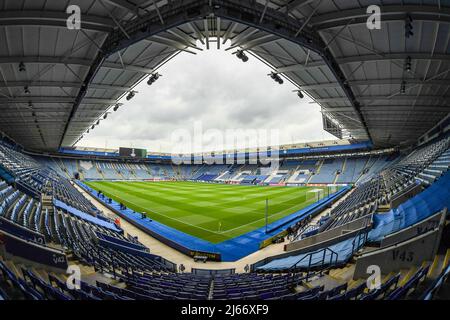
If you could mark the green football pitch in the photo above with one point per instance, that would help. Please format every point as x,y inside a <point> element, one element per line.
<point>213,212</point>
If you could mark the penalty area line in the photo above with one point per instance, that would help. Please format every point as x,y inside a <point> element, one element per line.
<point>171,218</point>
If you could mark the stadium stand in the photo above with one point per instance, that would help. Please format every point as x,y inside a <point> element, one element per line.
<point>72,224</point>
<point>381,190</point>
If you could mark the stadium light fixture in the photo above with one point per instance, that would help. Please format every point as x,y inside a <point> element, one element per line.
<point>276,77</point>
<point>116,107</point>
<point>408,64</point>
<point>26,90</point>
<point>241,55</point>
<point>152,79</point>
<point>408,26</point>
<point>130,95</point>
<point>93,126</point>
<point>300,94</point>
<point>403,87</point>
<point>22,67</point>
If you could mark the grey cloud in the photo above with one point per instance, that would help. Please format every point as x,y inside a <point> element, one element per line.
<point>217,89</point>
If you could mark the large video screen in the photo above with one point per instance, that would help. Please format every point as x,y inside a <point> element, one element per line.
<point>132,152</point>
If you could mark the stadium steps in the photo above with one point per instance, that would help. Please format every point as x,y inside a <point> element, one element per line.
<point>177,171</point>
<point>119,173</point>
<point>407,274</point>
<point>355,283</point>
<point>444,292</point>
<point>446,259</point>
<point>421,287</point>
<point>133,174</point>
<point>60,276</point>
<point>13,293</point>
<point>293,177</point>
<point>211,289</point>
<point>320,166</point>
<point>80,171</point>
<point>344,166</point>
<point>361,174</point>
<point>315,173</point>
<point>86,270</point>
<point>222,175</point>
<point>62,167</point>
<point>195,172</point>
<point>343,274</point>
<point>12,266</point>
<point>317,281</point>
<point>42,274</point>
<point>438,265</point>
<point>100,172</point>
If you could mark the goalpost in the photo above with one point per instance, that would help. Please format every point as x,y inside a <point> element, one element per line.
<point>315,194</point>
<point>319,194</point>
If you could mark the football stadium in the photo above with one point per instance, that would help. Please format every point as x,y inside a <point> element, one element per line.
<point>361,214</point>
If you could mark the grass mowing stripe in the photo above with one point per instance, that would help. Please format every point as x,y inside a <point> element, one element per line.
<point>132,205</point>
<point>200,208</point>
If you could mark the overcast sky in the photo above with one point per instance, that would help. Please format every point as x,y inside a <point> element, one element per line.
<point>216,90</point>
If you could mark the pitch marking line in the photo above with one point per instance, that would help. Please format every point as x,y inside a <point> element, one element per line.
<point>198,227</point>
<point>171,218</point>
<point>270,216</point>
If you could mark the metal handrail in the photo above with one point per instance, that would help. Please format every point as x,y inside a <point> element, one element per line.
<point>322,263</point>
<point>359,244</point>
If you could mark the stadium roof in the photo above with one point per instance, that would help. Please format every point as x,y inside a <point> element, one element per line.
<point>55,83</point>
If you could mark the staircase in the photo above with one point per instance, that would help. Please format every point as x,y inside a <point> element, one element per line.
<point>344,165</point>
<point>119,173</point>
<point>317,172</point>
<point>100,172</point>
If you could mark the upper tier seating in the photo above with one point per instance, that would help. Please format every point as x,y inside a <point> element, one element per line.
<point>327,172</point>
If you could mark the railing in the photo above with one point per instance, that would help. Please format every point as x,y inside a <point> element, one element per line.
<point>357,244</point>
<point>322,263</point>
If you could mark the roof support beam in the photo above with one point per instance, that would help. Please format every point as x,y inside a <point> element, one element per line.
<point>56,84</point>
<point>123,4</point>
<point>265,39</point>
<point>53,19</point>
<point>296,4</point>
<point>41,99</point>
<point>442,100</point>
<point>197,32</point>
<point>174,44</point>
<point>388,13</point>
<point>368,58</point>
<point>72,61</point>
<point>372,82</point>
<point>301,67</point>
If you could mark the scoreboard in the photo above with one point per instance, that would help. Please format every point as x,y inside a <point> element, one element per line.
<point>133,152</point>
